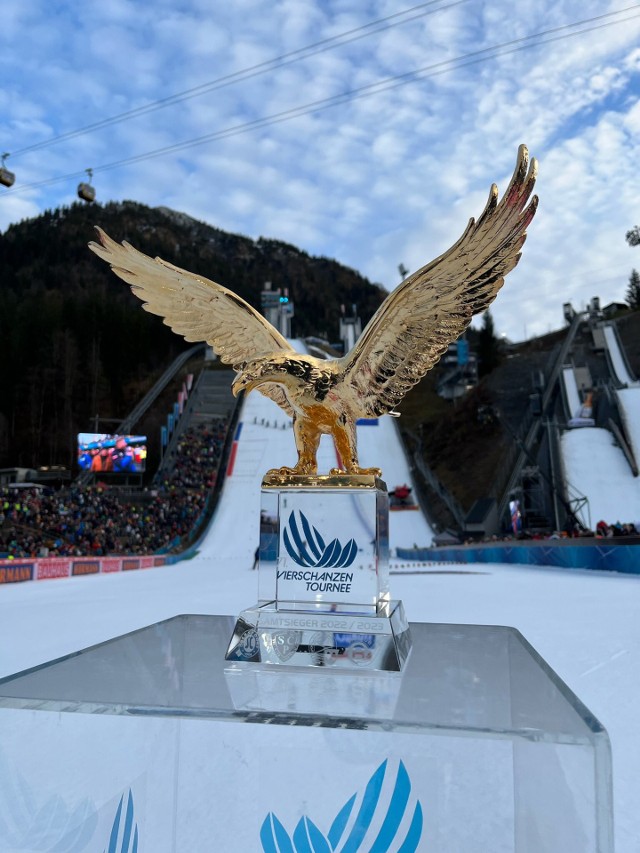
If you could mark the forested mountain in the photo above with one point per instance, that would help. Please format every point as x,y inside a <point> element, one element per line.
<point>75,341</point>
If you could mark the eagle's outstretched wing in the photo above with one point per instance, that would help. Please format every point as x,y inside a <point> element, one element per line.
<point>414,326</point>
<point>195,307</point>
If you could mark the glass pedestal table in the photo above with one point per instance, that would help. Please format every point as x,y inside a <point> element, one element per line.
<point>152,742</point>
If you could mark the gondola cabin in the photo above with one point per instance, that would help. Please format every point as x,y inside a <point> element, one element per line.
<point>86,192</point>
<point>7,178</point>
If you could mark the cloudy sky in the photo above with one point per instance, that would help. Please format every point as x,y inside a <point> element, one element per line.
<point>368,131</point>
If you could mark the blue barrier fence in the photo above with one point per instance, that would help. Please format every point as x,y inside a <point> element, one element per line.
<point>604,555</point>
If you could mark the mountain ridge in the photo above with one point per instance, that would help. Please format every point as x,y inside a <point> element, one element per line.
<point>75,342</point>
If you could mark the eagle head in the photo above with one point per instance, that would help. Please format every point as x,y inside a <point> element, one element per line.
<point>290,370</point>
<point>258,371</point>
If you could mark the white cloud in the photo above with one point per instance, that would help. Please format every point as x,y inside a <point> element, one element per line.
<point>374,182</point>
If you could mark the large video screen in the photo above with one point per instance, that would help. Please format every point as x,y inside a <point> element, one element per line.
<point>112,454</point>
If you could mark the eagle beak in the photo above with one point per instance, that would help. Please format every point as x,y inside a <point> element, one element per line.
<point>243,383</point>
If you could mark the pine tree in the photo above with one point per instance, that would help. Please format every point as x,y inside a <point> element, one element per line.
<point>633,291</point>
<point>633,237</point>
<point>489,351</point>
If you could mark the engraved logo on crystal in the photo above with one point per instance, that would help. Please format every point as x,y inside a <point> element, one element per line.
<point>285,643</point>
<point>247,647</point>
<point>306,546</point>
<point>360,654</point>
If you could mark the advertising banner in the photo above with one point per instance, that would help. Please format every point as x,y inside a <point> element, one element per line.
<point>57,567</point>
<point>85,567</point>
<point>17,571</point>
<point>12,571</point>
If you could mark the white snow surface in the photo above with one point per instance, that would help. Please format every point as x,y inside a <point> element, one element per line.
<point>571,391</point>
<point>629,403</point>
<point>596,468</point>
<point>617,361</point>
<point>584,624</point>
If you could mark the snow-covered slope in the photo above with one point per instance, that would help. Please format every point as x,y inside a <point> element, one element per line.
<point>584,624</point>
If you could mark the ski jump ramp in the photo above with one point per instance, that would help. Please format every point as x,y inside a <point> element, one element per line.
<point>572,397</point>
<point>617,359</point>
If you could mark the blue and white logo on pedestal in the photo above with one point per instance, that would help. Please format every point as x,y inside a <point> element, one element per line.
<point>385,817</point>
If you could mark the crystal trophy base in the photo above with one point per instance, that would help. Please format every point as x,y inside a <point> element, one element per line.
<point>264,634</point>
<point>477,747</point>
<point>323,578</point>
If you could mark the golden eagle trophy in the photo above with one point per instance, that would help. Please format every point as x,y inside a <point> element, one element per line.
<point>405,338</point>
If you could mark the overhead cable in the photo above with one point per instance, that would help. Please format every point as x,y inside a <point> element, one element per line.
<point>539,39</point>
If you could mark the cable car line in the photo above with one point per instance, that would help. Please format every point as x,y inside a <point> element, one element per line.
<point>336,100</point>
<point>544,37</point>
<point>323,46</point>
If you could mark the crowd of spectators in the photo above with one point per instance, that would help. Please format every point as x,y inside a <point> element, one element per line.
<point>606,531</point>
<point>101,520</point>
<point>195,461</point>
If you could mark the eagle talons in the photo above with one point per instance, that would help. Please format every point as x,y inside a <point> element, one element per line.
<point>275,474</point>
<point>376,472</point>
<point>341,472</point>
<point>286,471</point>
